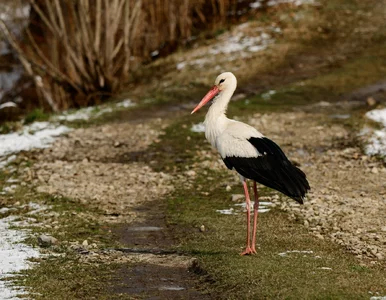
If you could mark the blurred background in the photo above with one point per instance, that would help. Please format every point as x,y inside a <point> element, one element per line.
<point>57,55</point>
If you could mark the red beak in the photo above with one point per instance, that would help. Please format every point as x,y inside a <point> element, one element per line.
<point>213,92</point>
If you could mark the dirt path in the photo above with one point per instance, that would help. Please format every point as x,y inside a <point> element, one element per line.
<point>105,168</point>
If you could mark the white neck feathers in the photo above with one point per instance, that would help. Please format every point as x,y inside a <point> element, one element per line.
<point>216,120</point>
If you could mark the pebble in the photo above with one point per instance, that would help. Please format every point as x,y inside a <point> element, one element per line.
<point>237,197</point>
<point>228,188</point>
<point>190,173</point>
<point>370,101</point>
<point>46,240</point>
<point>202,228</point>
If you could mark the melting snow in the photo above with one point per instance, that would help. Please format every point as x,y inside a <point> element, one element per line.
<point>267,95</point>
<point>6,160</point>
<point>43,134</point>
<point>36,135</point>
<point>89,112</point>
<point>200,127</point>
<point>233,45</point>
<point>263,207</point>
<point>377,142</point>
<point>126,103</point>
<point>13,256</point>
<point>377,115</point>
<point>171,288</point>
<point>296,251</point>
<point>239,42</point>
<point>257,4</point>
<point>226,211</point>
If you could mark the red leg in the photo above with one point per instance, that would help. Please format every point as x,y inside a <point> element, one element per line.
<point>248,249</point>
<point>255,214</point>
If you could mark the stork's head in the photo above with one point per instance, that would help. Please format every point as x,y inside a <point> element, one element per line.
<point>225,81</point>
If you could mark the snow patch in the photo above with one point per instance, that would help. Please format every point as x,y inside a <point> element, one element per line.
<point>267,95</point>
<point>257,4</point>
<point>200,127</point>
<point>90,112</point>
<point>377,141</point>
<point>36,135</point>
<point>377,115</point>
<point>243,41</point>
<point>126,103</point>
<point>296,2</point>
<point>240,42</point>
<point>283,254</point>
<point>229,211</point>
<point>263,207</point>
<point>13,256</point>
<point>6,160</point>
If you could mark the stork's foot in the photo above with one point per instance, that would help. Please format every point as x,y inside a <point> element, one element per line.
<point>253,249</point>
<point>248,251</point>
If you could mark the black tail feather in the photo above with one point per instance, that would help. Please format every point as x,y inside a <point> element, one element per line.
<point>272,169</point>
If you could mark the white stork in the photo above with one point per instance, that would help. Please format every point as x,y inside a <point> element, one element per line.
<point>249,152</point>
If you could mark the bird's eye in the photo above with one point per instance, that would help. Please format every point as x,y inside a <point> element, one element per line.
<point>222,80</point>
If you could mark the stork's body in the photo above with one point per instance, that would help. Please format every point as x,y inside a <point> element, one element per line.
<point>249,152</point>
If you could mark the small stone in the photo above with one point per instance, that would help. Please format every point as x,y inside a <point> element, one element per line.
<point>117,144</point>
<point>190,173</point>
<point>370,101</point>
<point>85,243</point>
<point>202,228</point>
<point>374,170</point>
<point>237,197</point>
<point>379,256</point>
<point>46,240</point>
<point>228,188</point>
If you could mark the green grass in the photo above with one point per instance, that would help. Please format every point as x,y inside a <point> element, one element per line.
<point>36,115</point>
<point>64,276</point>
<point>69,278</point>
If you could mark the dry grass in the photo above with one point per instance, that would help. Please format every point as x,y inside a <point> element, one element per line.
<point>79,52</point>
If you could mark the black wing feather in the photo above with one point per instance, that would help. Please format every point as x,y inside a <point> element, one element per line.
<point>272,169</point>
